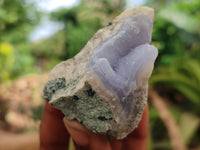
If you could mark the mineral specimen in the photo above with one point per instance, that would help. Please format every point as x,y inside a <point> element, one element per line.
<point>105,86</point>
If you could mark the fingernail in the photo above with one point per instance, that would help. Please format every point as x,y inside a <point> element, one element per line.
<point>77,131</point>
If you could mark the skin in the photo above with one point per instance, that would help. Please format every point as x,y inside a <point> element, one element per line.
<point>55,131</point>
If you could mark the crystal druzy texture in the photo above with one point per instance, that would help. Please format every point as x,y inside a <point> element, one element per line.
<point>105,86</point>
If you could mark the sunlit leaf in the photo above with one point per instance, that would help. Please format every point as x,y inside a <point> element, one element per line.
<point>189,123</point>
<point>181,19</point>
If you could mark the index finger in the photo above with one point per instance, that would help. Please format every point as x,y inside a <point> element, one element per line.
<point>137,140</point>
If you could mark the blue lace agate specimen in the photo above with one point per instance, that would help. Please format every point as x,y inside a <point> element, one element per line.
<point>105,86</point>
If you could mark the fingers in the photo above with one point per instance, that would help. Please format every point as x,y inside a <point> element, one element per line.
<point>137,140</point>
<point>53,134</point>
<point>78,132</point>
<point>116,144</point>
<point>85,139</point>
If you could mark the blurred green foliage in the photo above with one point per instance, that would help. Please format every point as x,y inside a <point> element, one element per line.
<point>177,70</point>
<point>7,59</point>
<point>80,24</point>
<point>77,30</point>
<point>17,19</point>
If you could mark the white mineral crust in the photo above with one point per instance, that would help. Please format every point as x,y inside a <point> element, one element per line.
<point>116,64</point>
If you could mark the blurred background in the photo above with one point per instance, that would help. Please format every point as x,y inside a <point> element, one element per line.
<point>35,35</point>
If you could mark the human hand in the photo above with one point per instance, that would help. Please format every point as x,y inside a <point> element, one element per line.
<point>87,140</point>
<point>54,136</point>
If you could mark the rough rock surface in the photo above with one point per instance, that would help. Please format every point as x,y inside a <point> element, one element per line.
<point>105,85</point>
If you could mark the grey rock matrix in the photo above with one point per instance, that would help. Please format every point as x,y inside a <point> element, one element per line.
<point>105,85</point>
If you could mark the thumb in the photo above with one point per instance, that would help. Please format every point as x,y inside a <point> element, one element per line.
<point>84,137</point>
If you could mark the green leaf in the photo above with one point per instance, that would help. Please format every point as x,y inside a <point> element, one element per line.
<point>189,123</point>
<point>189,93</point>
<point>181,19</point>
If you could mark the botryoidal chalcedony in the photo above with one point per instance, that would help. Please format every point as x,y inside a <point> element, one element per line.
<point>105,85</point>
